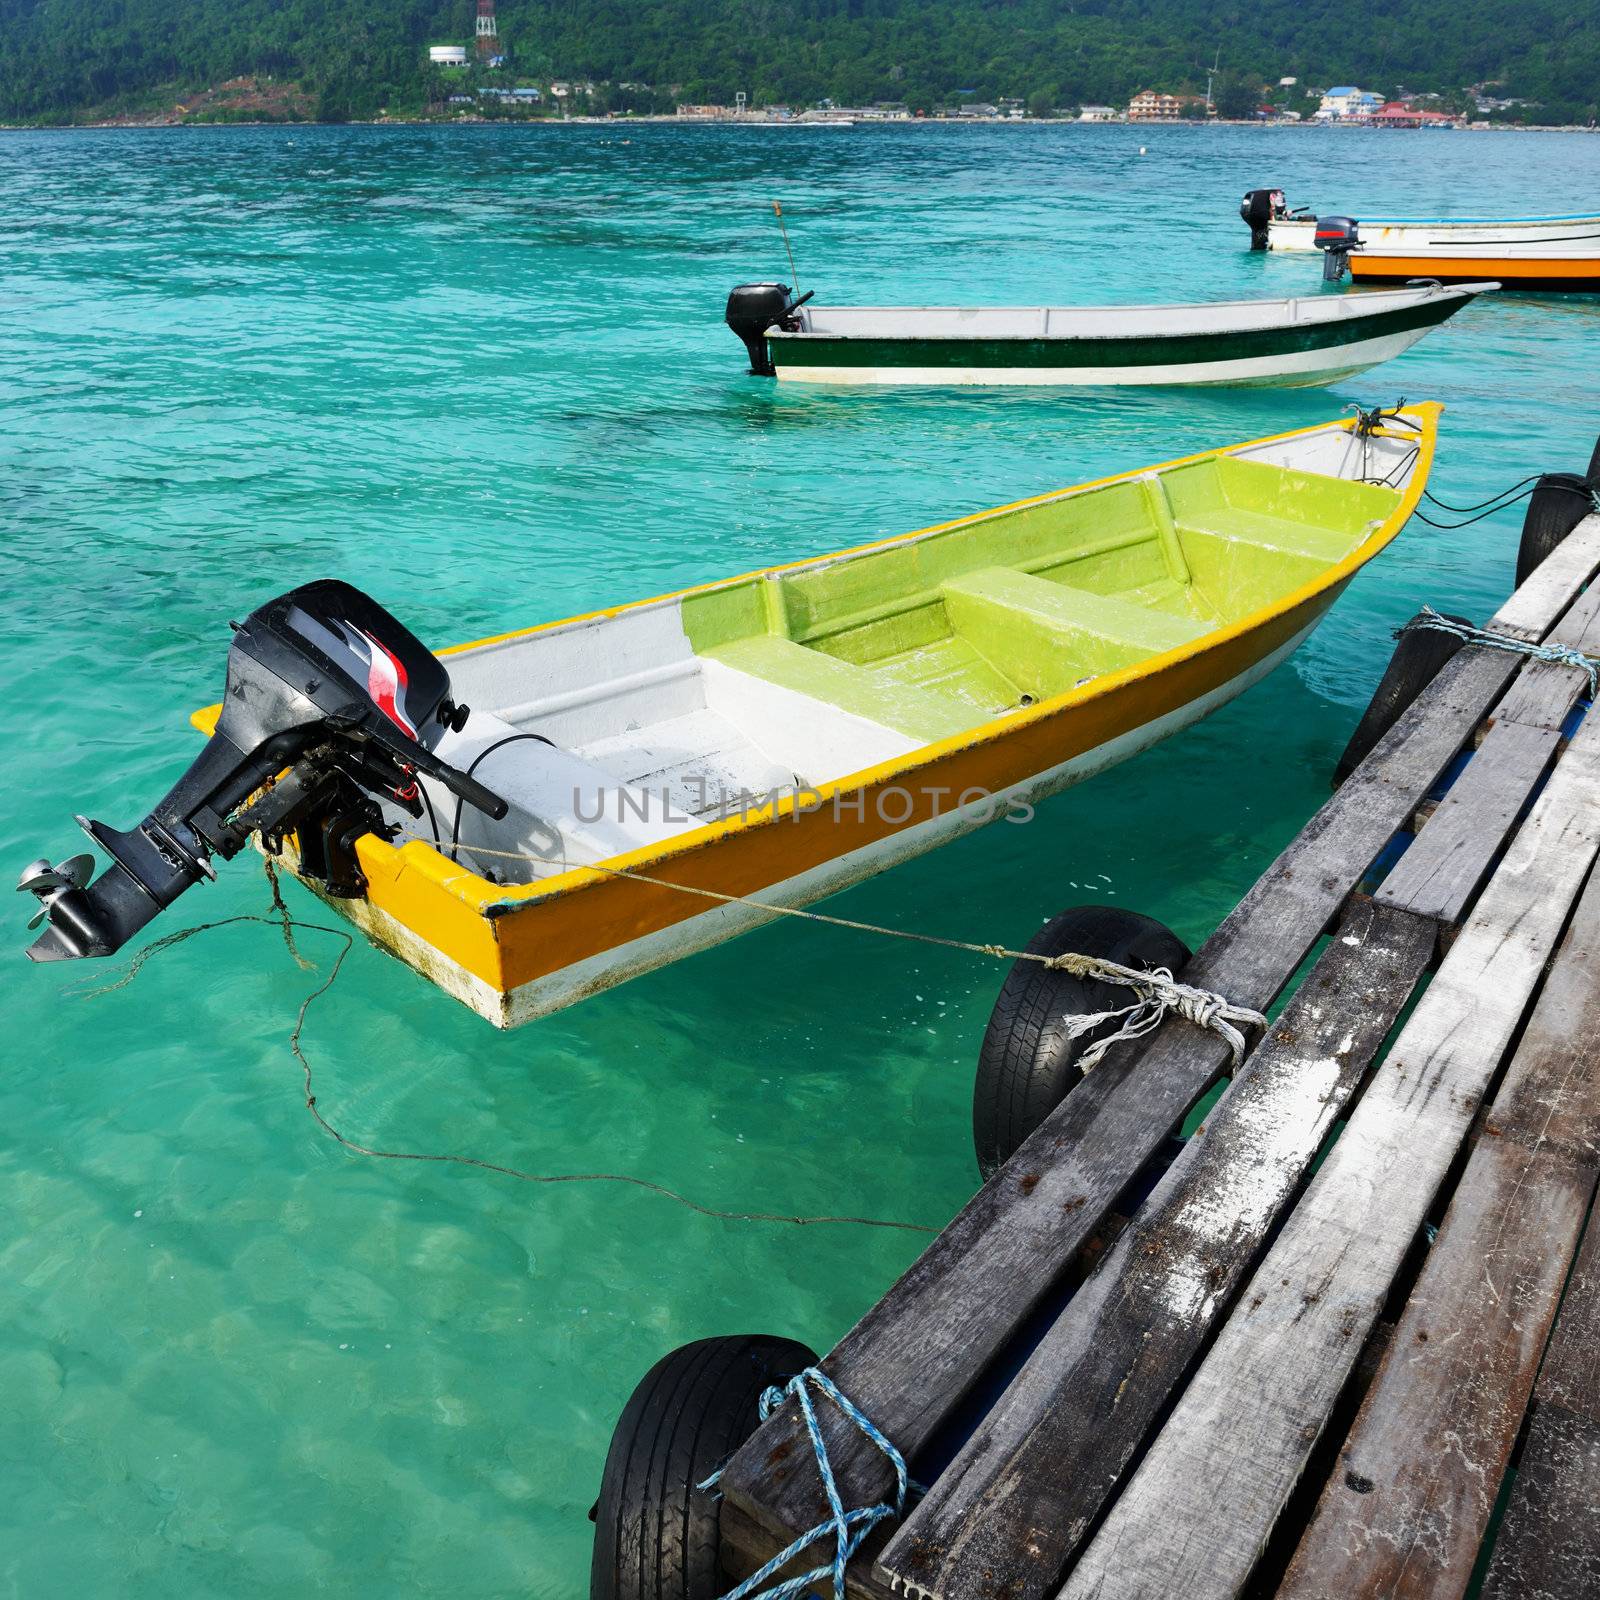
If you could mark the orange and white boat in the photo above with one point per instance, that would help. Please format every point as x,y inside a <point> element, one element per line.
<point>1531,253</point>
<point>1559,274</point>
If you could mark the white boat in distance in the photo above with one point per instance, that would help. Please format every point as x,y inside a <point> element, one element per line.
<point>1505,237</point>
<point>1280,343</point>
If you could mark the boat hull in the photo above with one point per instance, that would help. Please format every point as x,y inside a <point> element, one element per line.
<point>1488,240</point>
<point>1286,357</point>
<point>1546,275</point>
<point>826,856</point>
<point>1282,523</point>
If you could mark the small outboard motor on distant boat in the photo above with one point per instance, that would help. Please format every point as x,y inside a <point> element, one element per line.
<point>755,307</point>
<point>1336,237</point>
<point>1258,208</point>
<point>330,703</point>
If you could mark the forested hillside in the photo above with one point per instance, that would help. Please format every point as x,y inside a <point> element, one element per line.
<point>61,58</point>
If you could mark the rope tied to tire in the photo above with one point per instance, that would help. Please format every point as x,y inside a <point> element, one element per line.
<point>1560,655</point>
<point>1158,992</point>
<point>848,1528</point>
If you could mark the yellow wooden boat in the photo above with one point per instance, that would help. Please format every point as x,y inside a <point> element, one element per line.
<point>779,735</point>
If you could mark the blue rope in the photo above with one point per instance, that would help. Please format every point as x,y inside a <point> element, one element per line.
<point>848,1528</point>
<point>1561,654</point>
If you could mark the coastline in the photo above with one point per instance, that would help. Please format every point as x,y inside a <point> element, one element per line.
<point>168,124</point>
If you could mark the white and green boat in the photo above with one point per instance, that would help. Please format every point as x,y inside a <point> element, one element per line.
<point>1283,343</point>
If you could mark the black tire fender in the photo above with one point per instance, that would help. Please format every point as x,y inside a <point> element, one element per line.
<point>1027,1064</point>
<point>1559,502</point>
<point>656,1535</point>
<point>1419,656</point>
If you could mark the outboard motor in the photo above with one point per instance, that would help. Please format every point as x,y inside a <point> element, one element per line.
<point>1258,208</point>
<point>1336,237</point>
<point>755,307</point>
<point>330,704</point>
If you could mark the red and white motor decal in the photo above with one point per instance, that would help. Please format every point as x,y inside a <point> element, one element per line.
<point>386,681</point>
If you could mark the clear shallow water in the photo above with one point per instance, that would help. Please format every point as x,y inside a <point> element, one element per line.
<point>481,372</point>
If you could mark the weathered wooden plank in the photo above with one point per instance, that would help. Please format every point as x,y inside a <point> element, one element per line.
<point>1553,585</point>
<point>914,1355</point>
<point>1444,869</point>
<point>1545,692</point>
<point>1462,836</point>
<point>1549,1543</point>
<point>1199,1509</point>
<point>1406,1510</point>
<point>1005,1516</point>
<point>745,1546</point>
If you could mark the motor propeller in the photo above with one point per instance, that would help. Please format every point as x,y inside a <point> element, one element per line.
<point>46,881</point>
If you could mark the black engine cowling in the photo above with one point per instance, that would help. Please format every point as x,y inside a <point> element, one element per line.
<point>330,705</point>
<point>1258,208</point>
<point>1336,237</point>
<point>752,309</point>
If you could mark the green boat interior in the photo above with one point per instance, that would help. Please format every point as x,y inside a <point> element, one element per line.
<point>616,731</point>
<point>934,635</point>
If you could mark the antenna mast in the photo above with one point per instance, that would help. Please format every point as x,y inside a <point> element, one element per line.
<point>488,44</point>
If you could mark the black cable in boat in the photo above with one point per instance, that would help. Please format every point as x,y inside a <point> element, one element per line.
<point>1387,480</point>
<point>477,761</point>
<point>433,821</point>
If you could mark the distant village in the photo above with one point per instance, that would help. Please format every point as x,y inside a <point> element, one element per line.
<point>460,91</point>
<point>1346,105</point>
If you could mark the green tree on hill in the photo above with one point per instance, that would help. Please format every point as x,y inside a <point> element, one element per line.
<point>1235,96</point>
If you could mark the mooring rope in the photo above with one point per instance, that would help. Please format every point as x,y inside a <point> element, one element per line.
<point>280,918</point>
<point>848,1528</point>
<point>1157,991</point>
<point>1559,654</point>
<point>1503,503</point>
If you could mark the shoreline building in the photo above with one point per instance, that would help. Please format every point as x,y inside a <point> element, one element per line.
<point>1347,104</point>
<point>1402,114</point>
<point>1153,105</point>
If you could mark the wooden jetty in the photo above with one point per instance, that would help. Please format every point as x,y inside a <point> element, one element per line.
<point>1302,1364</point>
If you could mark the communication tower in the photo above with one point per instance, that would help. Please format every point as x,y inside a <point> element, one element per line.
<point>488,42</point>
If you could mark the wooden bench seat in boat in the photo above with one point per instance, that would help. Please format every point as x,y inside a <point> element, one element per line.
<point>1266,532</point>
<point>630,698</point>
<point>1040,638</point>
<point>1046,637</point>
<point>922,713</point>
<point>1275,508</point>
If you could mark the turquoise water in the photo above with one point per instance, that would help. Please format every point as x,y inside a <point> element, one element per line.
<point>481,372</point>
